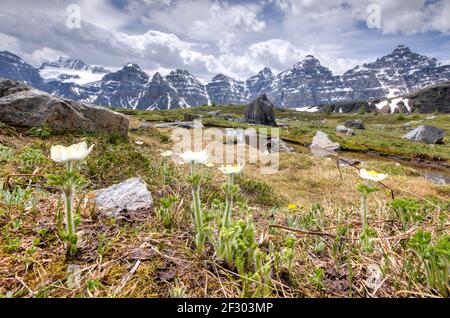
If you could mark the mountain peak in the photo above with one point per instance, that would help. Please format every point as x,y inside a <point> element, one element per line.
<point>401,50</point>
<point>132,65</point>
<point>157,78</point>
<point>310,61</point>
<point>181,72</point>
<point>266,72</point>
<point>221,77</point>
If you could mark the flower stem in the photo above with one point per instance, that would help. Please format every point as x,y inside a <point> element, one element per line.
<point>229,202</point>
<point>69,192</point>
<point>198,215</point>
<point>364,210</point>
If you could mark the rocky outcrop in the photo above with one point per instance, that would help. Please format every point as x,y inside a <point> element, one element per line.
<point>426,134</point>
<point>22,105</point>
<point>260,111</point>
<point>432,99</point>
<point>130,196</point>
<point>15,68</point>
<point>322,145</point>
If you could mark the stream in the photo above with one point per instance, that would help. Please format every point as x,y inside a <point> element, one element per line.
<point>434,174</point>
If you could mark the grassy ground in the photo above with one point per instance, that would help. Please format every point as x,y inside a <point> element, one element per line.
<point>382,134</point>
<point>136,256</point>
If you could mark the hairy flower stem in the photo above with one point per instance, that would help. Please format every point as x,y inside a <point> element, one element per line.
<point>364,210</point>
<point>69,193</point>
<point>198,214</point>
<point>229,202</point>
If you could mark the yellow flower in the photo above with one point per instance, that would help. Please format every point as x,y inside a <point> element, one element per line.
<point>292,206</point>
<point>232,169</point>
<point>372,175</point>
<point>79,151</point>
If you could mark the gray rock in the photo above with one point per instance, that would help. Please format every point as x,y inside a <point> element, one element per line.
<point>356,123</point>
<point>426,134</point>
<point>322,145</point>
<point>181,124</point>
<point>341,129</point>
<point>276,144</point>
<point>143,124</point>
<point>260,111</point>
<point>130,195</point>
<point>22,105</point>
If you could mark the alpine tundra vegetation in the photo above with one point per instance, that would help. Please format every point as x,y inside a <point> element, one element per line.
<point>224,149</point>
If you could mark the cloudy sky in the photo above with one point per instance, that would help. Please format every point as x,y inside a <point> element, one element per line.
<point>234,37</point>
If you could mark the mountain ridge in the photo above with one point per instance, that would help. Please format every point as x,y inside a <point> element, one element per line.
<point>306,83</point>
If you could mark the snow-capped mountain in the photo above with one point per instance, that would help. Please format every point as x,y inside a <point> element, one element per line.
<point>189,88</point>
<point>304,85</point>
<point>259,83</point>
<point>68,70</point>
<point>226,90</point>
<point>159,94</point>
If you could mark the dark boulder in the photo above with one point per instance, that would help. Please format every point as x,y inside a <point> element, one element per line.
<point>354,123</point>
<point>426,134</point>
<point>22,105</point>
<point>260,111</point>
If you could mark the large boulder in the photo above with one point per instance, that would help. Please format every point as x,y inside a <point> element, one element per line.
<point>426,134</point>
<point>130,196</point>
<point>322,145</point>
<point>22,105</point>
<point>260,111</point>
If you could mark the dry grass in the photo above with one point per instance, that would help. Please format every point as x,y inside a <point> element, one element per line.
<point>134,256</point>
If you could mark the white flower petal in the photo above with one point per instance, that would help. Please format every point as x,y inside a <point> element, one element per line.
<point>78,151</point>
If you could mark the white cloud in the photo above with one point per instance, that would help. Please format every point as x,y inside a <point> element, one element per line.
<point>208,37</point>
<point>216,22</point>
<point>279,55</point>
<point>276,53</point>
<point>42,55</point>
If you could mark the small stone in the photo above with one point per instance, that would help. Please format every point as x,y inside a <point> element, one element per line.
<point>130,195</point>
<point>342,130</point>
<point>278,145</point>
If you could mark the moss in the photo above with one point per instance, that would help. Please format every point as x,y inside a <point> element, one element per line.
<point>258,192</point>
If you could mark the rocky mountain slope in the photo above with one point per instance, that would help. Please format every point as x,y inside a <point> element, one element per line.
<point>435,98</point>
<point>305,84</point>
